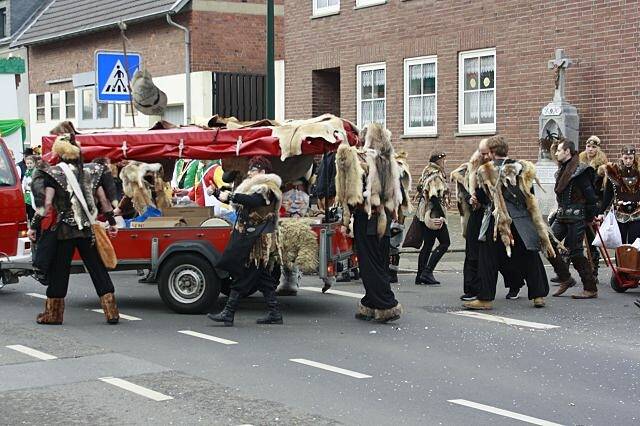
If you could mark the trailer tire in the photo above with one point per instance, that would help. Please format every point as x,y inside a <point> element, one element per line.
<point>188,284</point>
<point>616,286</point>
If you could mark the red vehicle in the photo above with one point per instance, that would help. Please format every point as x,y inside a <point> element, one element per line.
<point>181,259</point>
<point>13,215</point>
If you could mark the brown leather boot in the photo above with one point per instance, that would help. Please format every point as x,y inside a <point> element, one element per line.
<point>585,269</point>
<point>53,312</point>
<point>564,286</point>
<point>108,303</point>
<point>585,294</point>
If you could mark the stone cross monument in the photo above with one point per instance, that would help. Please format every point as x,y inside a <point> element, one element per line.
<point>559,118</point>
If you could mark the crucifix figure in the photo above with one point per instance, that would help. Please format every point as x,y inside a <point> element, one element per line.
<point>559,65</point>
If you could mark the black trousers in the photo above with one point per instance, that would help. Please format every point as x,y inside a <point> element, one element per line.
<point>254,277</point>
<point>492,257</point>
<point>630,231</point>
<point>429,237</point>
<point>471,278</point>
<point>373,258</point>
<point>58,274</point>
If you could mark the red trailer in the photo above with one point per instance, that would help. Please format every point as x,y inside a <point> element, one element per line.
<point>181,259</point>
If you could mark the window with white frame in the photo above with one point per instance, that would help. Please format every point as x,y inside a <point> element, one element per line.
<point>420,96</point>
<point>477,91</point>
<point>372,92</point>
<point>362,3</point>
<point>93,114</point>
<point>40,108</point>
<point>325,7</point>
<point>70,104</point>
<point>55,106</point>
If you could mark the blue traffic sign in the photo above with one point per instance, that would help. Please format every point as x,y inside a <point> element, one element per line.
<point>113,71</point>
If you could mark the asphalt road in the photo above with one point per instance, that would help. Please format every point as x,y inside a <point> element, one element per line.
<point>432,367</point>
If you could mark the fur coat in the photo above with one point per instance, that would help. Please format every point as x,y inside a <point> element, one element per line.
<point>599,160</point>
<point>465,178</point>
<point>406,182</point>
<point>369,178</point>
<point>433,183</point>
<point>523,175</point>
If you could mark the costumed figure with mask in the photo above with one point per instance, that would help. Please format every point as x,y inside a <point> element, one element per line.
<point>433,198</point>
<point>368,189</point>
<point>577,208</point>
<point>67,188</point>
<point>252,251</point>
<point>514,231</point>
<point>622,193</point>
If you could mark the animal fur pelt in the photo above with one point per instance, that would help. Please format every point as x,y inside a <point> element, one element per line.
<point>137,188</point>
<point>523,174</point>
<point>406,181</point>
<point>460,177</point>
<point>349,176</point>
<point>263,184</point>
<point>596,162</point>
<point>433,183</point>
<point>298,245</point>
<point>65,149</point>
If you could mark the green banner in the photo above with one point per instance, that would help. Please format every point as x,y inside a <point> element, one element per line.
<point>9,127</point>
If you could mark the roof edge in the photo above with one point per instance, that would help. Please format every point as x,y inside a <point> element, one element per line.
<point>28,23</point>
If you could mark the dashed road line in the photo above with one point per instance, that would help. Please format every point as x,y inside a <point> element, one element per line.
<point>336,292</point>
<point>208,337</point>
<point>32,352</point>
<point>504,413</point>
<point>328,367</point>
<point>38,295</point>
<point>123,316</point>
<point>137,389</point>
<point>505,320</point>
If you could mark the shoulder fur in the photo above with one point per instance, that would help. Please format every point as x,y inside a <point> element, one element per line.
<point>262,184</point>
<point>596,162</point>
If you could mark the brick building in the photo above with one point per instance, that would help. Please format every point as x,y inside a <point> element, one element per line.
<point>442,73</point>
<point>226,37</point>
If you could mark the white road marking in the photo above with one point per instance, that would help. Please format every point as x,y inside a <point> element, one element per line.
<point>123,316</point>
<point>332,291</point>
<point>32,352</point>
<point>504,320</point>
<point>132,387</point>
<point>331,368</point>
<point>208,337</point>
<point>504,413</point>
<point>38,295</point>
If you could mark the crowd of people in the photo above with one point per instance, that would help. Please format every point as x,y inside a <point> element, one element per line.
<point>369,189</point>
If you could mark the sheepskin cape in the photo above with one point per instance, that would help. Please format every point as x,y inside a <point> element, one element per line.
<point>522,174</point>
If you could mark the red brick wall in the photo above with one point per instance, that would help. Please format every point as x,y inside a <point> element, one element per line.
<point>326,92</point>
<point>601,36</point>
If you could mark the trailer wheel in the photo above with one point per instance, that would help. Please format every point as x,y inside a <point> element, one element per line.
<point>616,286</point>
<point>188,284</point>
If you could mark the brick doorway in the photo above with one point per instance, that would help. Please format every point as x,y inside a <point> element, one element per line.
<point>325,92</point>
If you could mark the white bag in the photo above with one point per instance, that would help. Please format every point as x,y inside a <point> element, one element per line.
<point>610,232</point>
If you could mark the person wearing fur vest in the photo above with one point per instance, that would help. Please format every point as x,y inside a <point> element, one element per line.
<point>55,187</point>
<point>512,230</point>
<point>368,190</point>
<point>433,200</point>
<point>577,208</point>
<point>622,193</point>
<point>252,251</point>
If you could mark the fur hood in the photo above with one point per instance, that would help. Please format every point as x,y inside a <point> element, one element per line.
<point>523,174</point>
<point>596,162</point>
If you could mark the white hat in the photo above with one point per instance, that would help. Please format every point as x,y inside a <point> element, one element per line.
<point>147,98</point>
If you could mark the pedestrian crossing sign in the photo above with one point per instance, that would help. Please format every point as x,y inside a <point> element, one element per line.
<point>113,71</point>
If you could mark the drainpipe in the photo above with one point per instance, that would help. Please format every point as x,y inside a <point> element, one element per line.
<point>187,69</point>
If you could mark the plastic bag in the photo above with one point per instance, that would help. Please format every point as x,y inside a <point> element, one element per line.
<point>610,232</point>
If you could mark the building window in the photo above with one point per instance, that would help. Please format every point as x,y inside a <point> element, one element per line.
<point>70,103</point>
<point>93,114</point>
<point>3,22</point>
<point>87,103</point>
<point>128,110</point>
<point>363,3</point>
<point>55,106</point>
<point>325,7</point>
<point>477,91</point>
<point>372,91</point>
<point>40,108</point>
<point>420,96</point>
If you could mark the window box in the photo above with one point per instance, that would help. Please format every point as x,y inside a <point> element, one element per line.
<point>372,94</point>
<point>477,91</point>
<point>420,96</point>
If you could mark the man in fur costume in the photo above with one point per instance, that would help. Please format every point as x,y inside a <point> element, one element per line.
<point>433,200</point>
<point>253,248</point>
<point>622,193</point>
<point>63,188</point>
<point>471,214</point>
<point>577,207</point>
<point>515,231</point>
<point>372,208</point>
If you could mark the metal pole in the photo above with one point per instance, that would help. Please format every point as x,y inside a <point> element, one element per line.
<point>271,92</point>
<point>187,69</point>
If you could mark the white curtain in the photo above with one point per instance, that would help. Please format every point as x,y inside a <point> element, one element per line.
<point>428,110</point>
